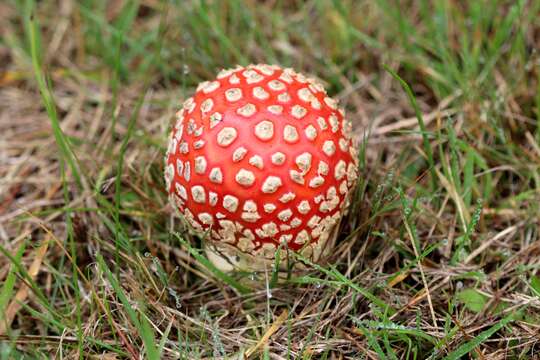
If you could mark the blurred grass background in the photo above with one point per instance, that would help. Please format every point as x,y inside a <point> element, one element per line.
<point>438,258</point>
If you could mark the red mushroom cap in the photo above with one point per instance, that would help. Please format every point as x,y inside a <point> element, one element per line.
<point>261,156</point>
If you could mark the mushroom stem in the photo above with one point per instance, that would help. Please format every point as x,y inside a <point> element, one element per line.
<point>228,258</point>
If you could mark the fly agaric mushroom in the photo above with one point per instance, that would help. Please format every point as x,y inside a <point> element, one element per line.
<point>260,157</point>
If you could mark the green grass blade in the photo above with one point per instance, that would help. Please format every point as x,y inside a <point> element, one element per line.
<point>426,143</point>
<point>48,100</point>
<point>212,268</point>
<point>334,273</point>
<point>469,346</point>
<point>9,283</point>
<point>40,295</point>
<point>140,322</point>
<point>372,341</point>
